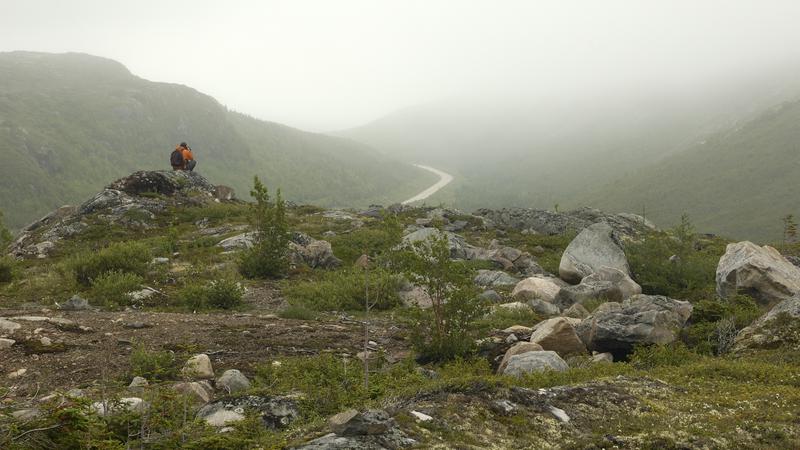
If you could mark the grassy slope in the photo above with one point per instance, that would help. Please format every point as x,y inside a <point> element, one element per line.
<point>69,123</point>
<point>738,183</point>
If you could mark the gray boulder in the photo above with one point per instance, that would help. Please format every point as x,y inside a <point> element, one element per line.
<point>595,247</point>
<point>536,361</point>
<point>517,349</point>
<point>494,278</point>
<point>761,272</point>
<point>491,296</point>
<point>311,252</point>
<point>541,287</point>
<point>558,334</point>
<point>232,381</point>
<point>275,412</point>
<point>641,319</point>
<point>354,423</point>
<point>780,327</point>
<point>459,249</point>
<point>542,307</point>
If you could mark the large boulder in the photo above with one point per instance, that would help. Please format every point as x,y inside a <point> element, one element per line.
<point>311,252</point>
<point>558,334</point>
<point>544,288</point>
<point>641,319</point>
<point>536,361</point>
<point>780,327</point>
<point>760,272</point>
<point>595,247</point>
<point>275,412</point>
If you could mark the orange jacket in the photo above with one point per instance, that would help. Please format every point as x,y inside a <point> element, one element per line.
<point>187,154</point>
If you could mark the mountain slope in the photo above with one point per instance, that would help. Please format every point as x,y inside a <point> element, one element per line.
<point>69,121</point>
<point>737,183</point>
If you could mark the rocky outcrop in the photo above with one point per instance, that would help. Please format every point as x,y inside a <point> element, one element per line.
<point>760,272</point>
<point>550,223</point>
<point>536,361</point>
<point>303,249</point>
<point>275,412</point>
<point>370,430</point>
<point>641,319</point>
<point>595,247</point>
<point>780,327</point>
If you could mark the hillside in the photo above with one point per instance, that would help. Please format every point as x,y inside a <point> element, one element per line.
<point>740,182</point>
<point>131,321</point>
<point>68,121</point>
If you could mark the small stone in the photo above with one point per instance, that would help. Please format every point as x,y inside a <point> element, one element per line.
<point>491,296</point>
<point>233,381</point>
<point>138,383</point>
<point>75,303</point>
<point>7,326</point>
<point>512,338</point>
<point>502,407</point>
<point>223,417</point>
<point>137,325</point>
<point>17,373</point>
<point>199,367</point>
<point>198,392</point>
<point>559,414</point>
<point>112,407</point>
<point>26,414</point>
<point>421,417</point>
<point>160,261</point>
<point>353,423</point>
<point>6,343</point>
<point>602,357</point>
<point>45,341</point>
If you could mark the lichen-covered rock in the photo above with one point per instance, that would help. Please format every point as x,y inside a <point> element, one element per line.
<point>641,319</point>
<point>780,327</point>
<point>494,278</point>
<point>595,247</point>
<point>275,412</point>
<point>199,367</point>
<point>517,349</point>
<point>536,221</point>
<point>761,272</point>
<point>536,361</point>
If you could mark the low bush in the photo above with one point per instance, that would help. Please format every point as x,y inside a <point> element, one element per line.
<point>7,267</point>
<point>651,356</point>
<point>153,364</point>
<point>343,290</point>
<point>714,323</point>
<point>131,257</point>
<point>217,294</point>
<point>502,318</point>
<point>377,241</point>
<point>298,312</point>
<point>112,288</point>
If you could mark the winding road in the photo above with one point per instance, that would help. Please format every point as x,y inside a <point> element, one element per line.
<point>444,180</point>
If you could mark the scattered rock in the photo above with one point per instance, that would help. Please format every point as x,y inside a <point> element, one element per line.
<point>595,247</point>
<point>494,278</point>
<point>519,329</point>
<point>275,412</point>
<point>198,392</point>
<point>221,417</point>
<point>543,288</point>
<point>137,325</point>
<point>518,349</point>
<point>780,327</point>
<point>138,384</point>
<point>238,242</point>
<point>536,361</point>
<point>761,272</point>
<point>26,414</point>
<point>75,303</point>
<point>641,319</point>
<point>113,407</point>
<point>421,417</point>
<point>160,260</point>
<point>311,252</point>
<point>622,285</point>
<point>502,407</point>
<point>544,308</point>
<point>354,423</point>
<point>602,357</point>
<point>412,295</point>
<point>6,343</point>
<point>534,221</point>
<point>558,413</point>
<point>8,327</point>
<point>16,374</point>
<point>576,311</point>
<point>199,367</point>
<point>491,296</point>
<point>513,306</point>
<point>558,334</point>
<point>233,381</point>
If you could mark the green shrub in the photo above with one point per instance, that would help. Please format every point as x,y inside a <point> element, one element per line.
<point>343,290</point>
<point>222,294</point>
<point>269,256</point>
<point>652,356</point>
<point>112,288</point>
<point>298,312</point>
<point>376,241</point>
<point>7,267</point>
<point>715,322</point>
<point>691,275</point>
<point>132,257</point>
<point>153,365</point>
<point>502,318</point>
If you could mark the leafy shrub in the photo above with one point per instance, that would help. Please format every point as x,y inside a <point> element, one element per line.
<point>298,312</point>
<point>131,257</point>
<point>377,241</point>
<point>344,291</point>
<point>714,322</point>
<point>689,275</point>
<point>446,330</point>
<point>651,356</point>
<point>222,294</point>
<point>7,266</point>
<point>269,256</point>
<point>112,288</point>
<point>153,365</point>
<point>502,318</point>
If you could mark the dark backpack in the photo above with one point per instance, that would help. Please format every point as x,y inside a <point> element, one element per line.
<point>176,159</point>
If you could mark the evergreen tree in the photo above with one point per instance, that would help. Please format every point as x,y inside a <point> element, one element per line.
<point>269,256</point>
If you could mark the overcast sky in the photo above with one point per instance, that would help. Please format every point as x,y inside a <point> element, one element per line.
<point>324,65</point>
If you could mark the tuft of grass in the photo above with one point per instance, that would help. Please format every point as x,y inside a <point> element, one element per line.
<point>298,312</point>
<point>343,290</point>
<point>216,294</point>
<point>112,288</point>
<point>153,364</point>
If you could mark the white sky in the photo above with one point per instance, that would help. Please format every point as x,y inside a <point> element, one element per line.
<point>332,64</point>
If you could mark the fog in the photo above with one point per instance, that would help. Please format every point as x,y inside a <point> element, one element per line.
<point>328,65</point>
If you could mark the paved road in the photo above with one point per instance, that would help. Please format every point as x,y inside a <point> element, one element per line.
<point>444,180</point>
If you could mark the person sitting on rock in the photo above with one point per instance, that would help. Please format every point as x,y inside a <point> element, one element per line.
<point>188,157</point>
<point>176,158</point>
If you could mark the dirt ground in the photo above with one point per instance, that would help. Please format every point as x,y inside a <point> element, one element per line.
<point>82,358</point>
